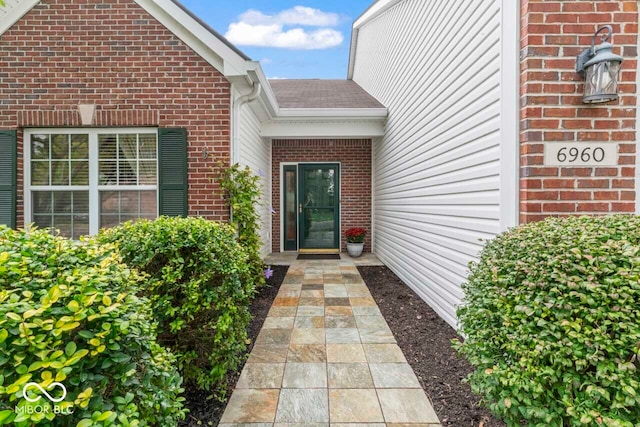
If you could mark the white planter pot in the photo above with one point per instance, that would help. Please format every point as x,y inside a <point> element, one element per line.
<point>355,249</point>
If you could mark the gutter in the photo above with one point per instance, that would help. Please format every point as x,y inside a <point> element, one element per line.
<point>235,127</point>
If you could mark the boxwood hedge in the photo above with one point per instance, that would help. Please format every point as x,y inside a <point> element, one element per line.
<point>551,317</point>
<point>200,290</point>
<point>69,314</point>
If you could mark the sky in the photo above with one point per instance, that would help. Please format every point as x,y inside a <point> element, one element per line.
<point>292,39</point>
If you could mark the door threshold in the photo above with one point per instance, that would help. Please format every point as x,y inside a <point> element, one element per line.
<point>319,251</point>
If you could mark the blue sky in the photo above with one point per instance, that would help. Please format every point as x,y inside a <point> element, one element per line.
<point>292,39</point>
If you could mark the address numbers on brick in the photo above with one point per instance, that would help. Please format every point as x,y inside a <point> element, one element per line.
<point>580,154</point>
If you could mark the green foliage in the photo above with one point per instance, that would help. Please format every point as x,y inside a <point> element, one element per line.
<point>69,314</point>
<point>551,318</point>
<point>200,290</point>
<point>243,196</point>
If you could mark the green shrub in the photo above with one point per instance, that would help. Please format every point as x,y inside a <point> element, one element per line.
<point>243,196</point>
<point>69,314</point>
<point>552,320</point>
<point>200,290</point>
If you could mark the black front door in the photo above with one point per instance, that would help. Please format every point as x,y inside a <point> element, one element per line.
<point>318,206</point>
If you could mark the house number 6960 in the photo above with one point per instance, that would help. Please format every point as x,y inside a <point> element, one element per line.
<point>570,155</point>
<point>575,154</point>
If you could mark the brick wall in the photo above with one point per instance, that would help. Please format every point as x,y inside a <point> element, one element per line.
<point>552,34</point>
<point>355,158</point>
<point>137,73</point>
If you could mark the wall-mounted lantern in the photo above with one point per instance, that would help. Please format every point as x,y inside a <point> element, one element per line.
<point>601,68</point>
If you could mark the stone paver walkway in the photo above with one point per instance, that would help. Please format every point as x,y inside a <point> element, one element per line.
<point>326,357</point>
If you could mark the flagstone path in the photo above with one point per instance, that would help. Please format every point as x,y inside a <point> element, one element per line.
<point>326,357</point>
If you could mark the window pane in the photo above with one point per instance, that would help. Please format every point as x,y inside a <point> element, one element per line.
<point>62,223</point>
<point>40,173</point>
<point>59,146</point>
<point>148,203</point>
<point>80,226</point>
<point>108,147</point>
<point>79,173</point>
<point>59,173</point>
<point>81,202</point>
<point>127,172</point>
<point>61,202</point>
<point>109,202</point>
<point>79,146</point>
<point>147,146</point>
<point>43,221</point>
<point>148,174</point>
<point>120,206</point>
<point>39,146</point>
<point>42,202</point>
<point>108,173</point>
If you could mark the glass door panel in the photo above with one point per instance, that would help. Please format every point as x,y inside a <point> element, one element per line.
<point>318,206</point>
<point>290,208</point>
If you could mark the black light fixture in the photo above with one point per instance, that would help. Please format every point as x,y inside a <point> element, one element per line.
<point>601,68</point>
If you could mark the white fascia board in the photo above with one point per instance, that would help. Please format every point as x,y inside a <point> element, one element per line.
<point>324,113</point>
<point>352,53</point>
<point>198,38</point>
<point>305,129</point>
<point>267,97</point>
<point>14,11</point>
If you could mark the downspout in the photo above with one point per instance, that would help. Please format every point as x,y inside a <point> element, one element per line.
<point>237,105</point>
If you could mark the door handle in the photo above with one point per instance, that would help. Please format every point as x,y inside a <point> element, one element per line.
<point>300,208</point>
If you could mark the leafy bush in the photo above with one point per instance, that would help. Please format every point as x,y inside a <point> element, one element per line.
<point>551,316</point>
<point>200,290</point>
<point>69,314</point>
<point>243,196</point>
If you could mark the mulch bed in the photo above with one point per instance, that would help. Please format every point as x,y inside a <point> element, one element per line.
<point>206,411</point>
<point>425,340</point>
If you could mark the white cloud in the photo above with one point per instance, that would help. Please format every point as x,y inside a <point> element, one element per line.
<point>266,61</point>
<point>255,28</point>
<point>297,15</point>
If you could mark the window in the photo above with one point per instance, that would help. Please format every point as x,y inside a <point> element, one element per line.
<point>78,181</point>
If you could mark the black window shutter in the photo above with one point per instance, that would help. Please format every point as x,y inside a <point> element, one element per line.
<point>172,162</point>
<point>8,179</point>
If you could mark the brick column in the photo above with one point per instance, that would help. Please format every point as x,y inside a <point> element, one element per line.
<point>553,33</point>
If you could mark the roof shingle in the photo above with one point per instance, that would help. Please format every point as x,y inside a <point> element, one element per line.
<point>315,93</point>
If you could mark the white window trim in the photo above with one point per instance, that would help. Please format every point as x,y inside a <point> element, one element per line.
<point>93,187</point>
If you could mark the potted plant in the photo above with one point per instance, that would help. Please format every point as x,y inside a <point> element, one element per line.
<point>355,241</point>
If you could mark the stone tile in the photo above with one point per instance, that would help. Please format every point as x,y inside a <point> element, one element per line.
<point>358,425</point>
<point>349,375</point>
<point>366,311</point>
<point>312,281</point>
<point>261,375</point>
<point>290,279</point>
<point>274,337</point>
<point>268,354</point>
<point>338,292</point>
<point>340,322</point>
<point>296,287</point>
<point>312,294</point>
<point>354,405</point>
<point>362,301</point>
<point>307,353</point>
<point>312,302</point>
<point>318,287</point>
<point>384,353</point>
<point>338,311</point>
<point>406,406</point>
<point>285,302</point>
<point>371,336</point>
<point>310,311</point>
<point>358,291</point>
<point>345,353</point>
<point>251,406</point>
<point>344,302</point>
<point>393,375</point>
<point>308,336</point>
<point>284,293</point>
<point>305,375</point>
<point>245,425</point>
<point>303,406</point>
<point>343,336</point>
<point>332,277</point>
<point>301,425</point>
<point>278,323</point>
<point>371,322</point>
<point>282,311</point>
<point>412,425</point>
<point>309,322</point>
<point>352,279</point>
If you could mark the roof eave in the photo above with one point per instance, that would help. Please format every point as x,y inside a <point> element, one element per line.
<point>333,113</point>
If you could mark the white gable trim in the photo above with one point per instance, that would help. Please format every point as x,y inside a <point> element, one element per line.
<point>14,12</point>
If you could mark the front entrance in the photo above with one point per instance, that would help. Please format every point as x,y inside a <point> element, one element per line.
<point>311,214</point>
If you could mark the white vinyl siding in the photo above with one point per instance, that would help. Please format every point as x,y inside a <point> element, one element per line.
<point>256,153</point>
<point>436,66</point>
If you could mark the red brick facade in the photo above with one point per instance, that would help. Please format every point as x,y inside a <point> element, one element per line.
<point>115,55</point>
<point>354,156</point>
<point>552,34</point>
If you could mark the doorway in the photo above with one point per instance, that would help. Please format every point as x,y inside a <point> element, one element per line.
<point>311,207</point>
